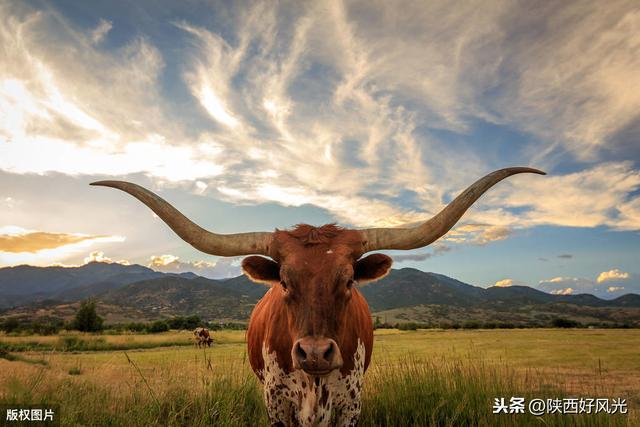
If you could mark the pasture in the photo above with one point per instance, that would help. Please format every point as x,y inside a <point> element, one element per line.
<point>424,377</point>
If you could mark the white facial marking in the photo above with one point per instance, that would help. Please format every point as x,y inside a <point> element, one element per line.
<point>329,251</point>
<point>298,399</point>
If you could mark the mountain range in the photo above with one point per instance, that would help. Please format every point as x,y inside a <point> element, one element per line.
<point>134,292</point>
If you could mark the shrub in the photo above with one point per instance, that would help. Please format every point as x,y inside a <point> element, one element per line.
<point>136,327</point>
<point>181,322</point>
<point>158,326</point>
<point>561,322</point>
<point>471,324</point>
<point>46,327</point>
<point>10,325</point>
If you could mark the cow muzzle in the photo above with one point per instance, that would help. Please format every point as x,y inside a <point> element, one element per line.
<point>316,355</point>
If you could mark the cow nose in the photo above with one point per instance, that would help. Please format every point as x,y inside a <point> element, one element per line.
<point>316,356</point>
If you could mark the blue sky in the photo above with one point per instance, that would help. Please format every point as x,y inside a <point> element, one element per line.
<point>252,116</point>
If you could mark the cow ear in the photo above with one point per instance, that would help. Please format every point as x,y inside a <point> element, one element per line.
<point>261,270</point>
<point>372,267</point>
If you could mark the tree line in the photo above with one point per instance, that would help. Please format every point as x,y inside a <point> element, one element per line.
<point>87,319</point>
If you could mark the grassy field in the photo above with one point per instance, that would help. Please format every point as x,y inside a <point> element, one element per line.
<point>75,341</point>
<point>431,377</point>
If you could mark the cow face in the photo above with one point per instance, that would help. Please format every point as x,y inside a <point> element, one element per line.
<point>313,273</point>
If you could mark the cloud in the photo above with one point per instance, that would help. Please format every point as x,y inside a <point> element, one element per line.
<point>62,119</point>
<point>611,275</point>
<point>99,33</point>
<point>567,285</point>
<point>98,256</point>
<point>565,291</point>
<point>558,285</point>
<point>411,257</point>
<point>437,250</point>
<point>163,261</point>
<point>338,108</point>
<point>565,256</point>
<point>588,198</point>
<point>221,269</point>
<point>560,280</point>
<point>21,246</point>
<point>505,283</point>
<point>479,234</point>
<point>16,240</point>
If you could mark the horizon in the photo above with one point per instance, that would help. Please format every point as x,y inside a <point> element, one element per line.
<point>252,117</point>
<point>606,297</point>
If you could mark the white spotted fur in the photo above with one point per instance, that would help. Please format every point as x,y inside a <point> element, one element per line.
<point>290,403</point>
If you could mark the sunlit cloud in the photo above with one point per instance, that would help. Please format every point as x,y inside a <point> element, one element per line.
<point>479,234</point>
<point>21,246</point>
<point>162,260</point>
<point>214,106</point>
<point>611,275</point>
<point>222,268</point>
<point>173,163</point>
<point>565,291</point>
<point>559,280</point>
<point>588,198</point>
<point>15,240</point>
<point>99,256</point>
<point>505,283</point>
<point>597,286</point>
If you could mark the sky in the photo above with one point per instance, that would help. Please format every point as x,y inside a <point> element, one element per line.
<point>249,116</point>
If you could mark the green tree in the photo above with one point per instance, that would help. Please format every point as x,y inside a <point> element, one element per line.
<point>87,320</point>
<point>158,326</point>
<point>561,322</point>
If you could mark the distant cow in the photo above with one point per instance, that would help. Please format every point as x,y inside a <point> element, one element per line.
<point>202,337</point>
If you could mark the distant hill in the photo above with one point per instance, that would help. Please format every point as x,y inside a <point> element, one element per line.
<point>137,293</point>
<point>26,284</point>
<point>168,296</point>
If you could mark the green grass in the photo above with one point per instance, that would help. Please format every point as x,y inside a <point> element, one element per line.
<point>416,378</point>
<point>74,342</point>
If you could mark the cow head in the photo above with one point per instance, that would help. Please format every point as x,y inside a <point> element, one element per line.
<point>314,269</point>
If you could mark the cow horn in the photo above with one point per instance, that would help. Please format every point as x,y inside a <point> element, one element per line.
<point>430,231</point>
<point>196,236</point>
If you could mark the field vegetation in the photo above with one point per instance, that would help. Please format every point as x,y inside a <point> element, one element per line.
<point>423,377</point>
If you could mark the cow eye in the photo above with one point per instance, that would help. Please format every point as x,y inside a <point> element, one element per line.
<point>284,285</point>
<point>350,283</point>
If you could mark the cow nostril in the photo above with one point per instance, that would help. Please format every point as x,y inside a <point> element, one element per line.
<point>302,355</point>
<point>328,354</point>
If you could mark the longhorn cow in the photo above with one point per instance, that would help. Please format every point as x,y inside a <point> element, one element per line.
<point>310,337</point>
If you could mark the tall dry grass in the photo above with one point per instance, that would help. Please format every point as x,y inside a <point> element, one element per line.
<point>408,393</point>
<point>200,387</point>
